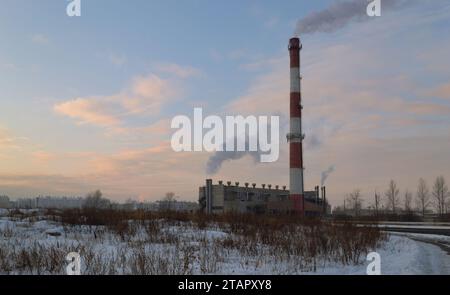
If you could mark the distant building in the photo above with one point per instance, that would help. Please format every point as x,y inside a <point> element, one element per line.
<point>48,203</point>
<point>220,198</point>
<point>58,202</point>
<point>179,206</point>
<point>164,205</point>
<point>359,212</point>
<point>25,203</point>
<point>5,203</point>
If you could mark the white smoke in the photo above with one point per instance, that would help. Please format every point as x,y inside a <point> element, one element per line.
<point>326,173</point>
<point>216,160</point>
<point>339,14</point>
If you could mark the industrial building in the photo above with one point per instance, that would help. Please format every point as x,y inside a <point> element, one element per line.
<point>220,198</point>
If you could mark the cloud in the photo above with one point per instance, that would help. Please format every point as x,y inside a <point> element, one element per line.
<point>40,39</point>
<point>442,91</point>
<point>272,22</point>
<point>149,94</point>
<point>117,60</point>
<point>149,171</point>
<point>43,157</point>
<point>146,95</point>
<point>10,67</point>
<point>178,70</point>
<point>126,173</point>
<point>266,94</point>
<point>7,140</point>
<point>238,54</point>
<point>88,110</point>
<point>32,185</point>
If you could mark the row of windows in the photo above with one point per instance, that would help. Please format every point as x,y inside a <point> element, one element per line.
<point>252,196</point>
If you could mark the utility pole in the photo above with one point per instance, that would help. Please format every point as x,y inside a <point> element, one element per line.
<point>377,201</point>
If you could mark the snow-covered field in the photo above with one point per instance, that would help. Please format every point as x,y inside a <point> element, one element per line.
<point>39,245</point>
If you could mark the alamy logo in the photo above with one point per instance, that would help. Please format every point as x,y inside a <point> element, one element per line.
<point>374,267</point>
<point>374,8</point>
<point>74,8</point>
<point>74,266</point>
<point>234,139</point>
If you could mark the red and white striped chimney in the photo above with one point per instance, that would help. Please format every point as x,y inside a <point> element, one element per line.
<point>295,137</point>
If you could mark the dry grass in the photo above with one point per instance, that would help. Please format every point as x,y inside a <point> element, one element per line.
<point>181,243</point>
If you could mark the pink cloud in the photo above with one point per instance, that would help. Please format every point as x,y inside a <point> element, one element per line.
<point>6,140</point>
<point>442,91</point>
<point>42,156</point>
<point>87,110</point>
<point>146,95</point>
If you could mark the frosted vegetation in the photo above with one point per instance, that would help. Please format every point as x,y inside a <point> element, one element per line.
<point>146,243</point>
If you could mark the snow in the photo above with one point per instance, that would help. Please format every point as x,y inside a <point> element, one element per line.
<point>418,225</point>
<point>412,257</point>
<point>4,212</point>
<point>414,226</point>
<point>401,256</point>
<point>415,223</point>
<point>405,254</point>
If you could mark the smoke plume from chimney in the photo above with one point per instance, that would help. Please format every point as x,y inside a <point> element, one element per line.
<point>218,158</point>
<point>339,14</point>
<point>326,173</point>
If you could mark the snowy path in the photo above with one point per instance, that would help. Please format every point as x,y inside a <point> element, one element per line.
<point>415,255</point>
<point>433,254</point>
<point>402,255</point>
<point>433,260</point>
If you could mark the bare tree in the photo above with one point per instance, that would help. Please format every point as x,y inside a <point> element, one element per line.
<point>440,194</point>
<point>167,201</point>
<point>392,196</point>
<point>407,201</point>
<point>422,196</point>
<point>95,200</point>
<point>355,201</point>
<point>377,203</point>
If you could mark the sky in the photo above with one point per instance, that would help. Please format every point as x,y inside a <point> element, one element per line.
<point>86,102</point>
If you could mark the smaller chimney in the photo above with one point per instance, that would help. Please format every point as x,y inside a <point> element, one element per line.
<point>284,187</point>
<point>236,183</point>
<point>316,188</point>
<point>269,186</point>
<point>254,185</point>
<point>323,193</point>
<point>263,185</point>
<point>229,183</point>
<point>277,187</point>
<point>246,184</point>
<point>220,182</point>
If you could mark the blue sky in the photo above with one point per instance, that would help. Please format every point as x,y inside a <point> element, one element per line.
<point>59,57</point>
<point>73,116</point>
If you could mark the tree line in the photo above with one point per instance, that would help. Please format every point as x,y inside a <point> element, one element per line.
<point>392,201</point>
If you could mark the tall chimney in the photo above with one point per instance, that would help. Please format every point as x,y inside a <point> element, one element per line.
<point>295,137</point>
<point>209,196</point>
